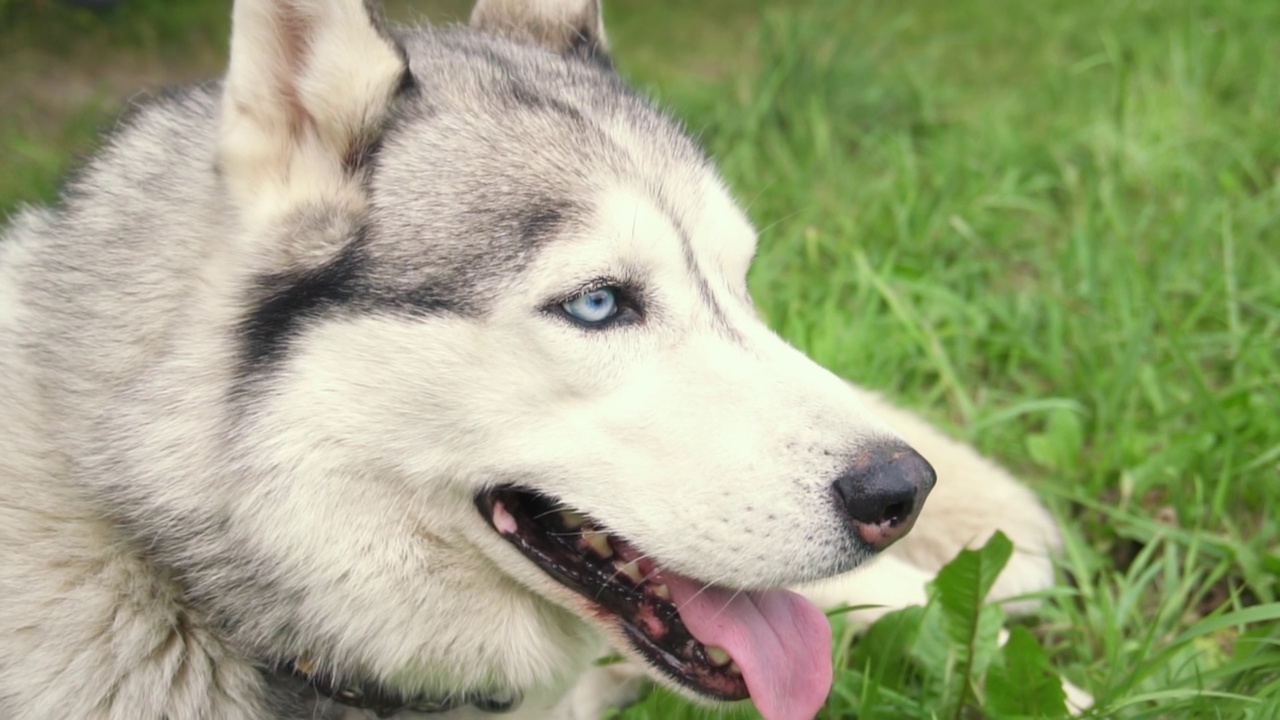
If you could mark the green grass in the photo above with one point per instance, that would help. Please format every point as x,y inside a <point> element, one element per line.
<point>1052,227</point>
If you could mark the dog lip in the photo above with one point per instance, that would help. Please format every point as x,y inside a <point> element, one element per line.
<point>643,612</point>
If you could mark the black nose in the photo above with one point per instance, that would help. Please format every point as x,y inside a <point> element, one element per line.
<point>883,491</point>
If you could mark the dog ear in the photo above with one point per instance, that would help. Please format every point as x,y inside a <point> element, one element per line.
<point>569,27</point>
<point>307,89</point>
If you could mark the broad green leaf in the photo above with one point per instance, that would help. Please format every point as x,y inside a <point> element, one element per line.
<point>1024,684</point>
<point>936,656</point>
<point>986,639</point>
<point>962,586</point>
<point>971,630</point>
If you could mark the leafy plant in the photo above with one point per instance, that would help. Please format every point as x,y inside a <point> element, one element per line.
<point>947,655</point>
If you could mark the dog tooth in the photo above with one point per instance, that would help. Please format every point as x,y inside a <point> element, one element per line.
<point>733,667</point>
<point>631,570</point>
<point>599,543</point>
<point>718,656</point>
<point>305,664</point>
<point>662,591</point>
<point>572,519</point>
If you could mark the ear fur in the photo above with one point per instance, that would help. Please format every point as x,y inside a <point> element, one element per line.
<point>308,86</point>
<point>569,27</point>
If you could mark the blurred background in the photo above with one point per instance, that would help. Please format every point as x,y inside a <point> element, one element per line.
<point>1053,227</point>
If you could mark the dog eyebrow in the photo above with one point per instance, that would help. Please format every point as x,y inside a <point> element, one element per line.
<point>542,220</point>
<point>287,302</point>
<point>288,298</point>
<point>719,318</point>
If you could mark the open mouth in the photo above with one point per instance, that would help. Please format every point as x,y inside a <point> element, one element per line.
<point>772,646</point>
<point>618,581</point>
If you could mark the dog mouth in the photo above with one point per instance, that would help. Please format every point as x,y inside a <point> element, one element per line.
<point>771,646</point>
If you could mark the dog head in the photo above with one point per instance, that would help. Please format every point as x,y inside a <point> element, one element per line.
<point>502,370</point>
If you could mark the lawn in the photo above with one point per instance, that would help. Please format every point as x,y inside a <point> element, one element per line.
<point>1052,227</point>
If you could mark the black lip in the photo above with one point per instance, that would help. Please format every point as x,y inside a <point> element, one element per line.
<point>559,552</point>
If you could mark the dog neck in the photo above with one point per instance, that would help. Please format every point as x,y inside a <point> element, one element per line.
<point>371,695</point>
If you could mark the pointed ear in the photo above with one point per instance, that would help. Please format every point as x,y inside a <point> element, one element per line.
<point>309,84</point>
<point>569,27</point>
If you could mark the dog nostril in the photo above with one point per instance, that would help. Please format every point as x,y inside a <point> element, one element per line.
<point>882,493</point>
<point>879,506</point>
<point>895,513</point>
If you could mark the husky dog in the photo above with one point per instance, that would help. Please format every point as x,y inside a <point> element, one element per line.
<point>407,372</point>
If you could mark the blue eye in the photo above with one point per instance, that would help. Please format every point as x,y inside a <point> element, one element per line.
<point>594,307</point>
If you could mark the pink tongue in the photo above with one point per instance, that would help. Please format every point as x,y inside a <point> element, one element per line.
<point>780,640</point>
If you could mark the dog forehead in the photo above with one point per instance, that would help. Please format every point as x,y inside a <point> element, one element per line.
<point>503,147</point>
<point>488,98</point>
